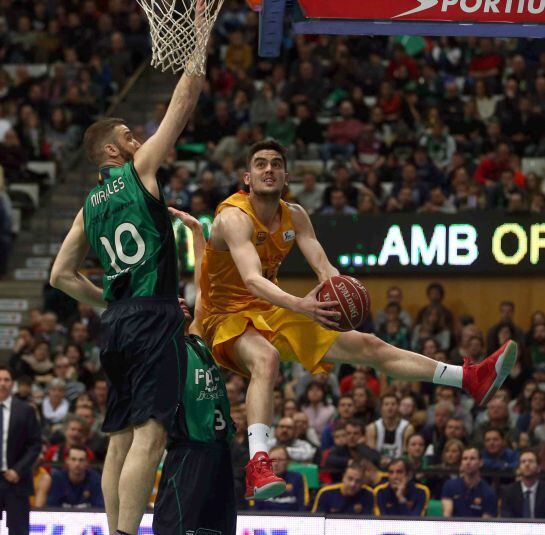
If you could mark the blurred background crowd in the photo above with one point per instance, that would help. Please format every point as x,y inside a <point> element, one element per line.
<point>324,425</point>
<point>371,125</point>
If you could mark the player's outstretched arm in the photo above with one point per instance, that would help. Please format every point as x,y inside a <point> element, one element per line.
<point>236,229</point>
<point>65,273</point>
<point>153,152</point>
<point>199,245</point>
<point>310,246</point>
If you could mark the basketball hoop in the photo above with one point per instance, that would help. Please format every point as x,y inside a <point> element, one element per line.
<point>179,34</point>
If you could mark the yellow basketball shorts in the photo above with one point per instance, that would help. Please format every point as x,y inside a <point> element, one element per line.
<point>296,337</point>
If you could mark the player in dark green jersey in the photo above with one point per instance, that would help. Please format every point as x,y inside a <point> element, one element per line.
<point>196,492</point>
<point>126,222</point>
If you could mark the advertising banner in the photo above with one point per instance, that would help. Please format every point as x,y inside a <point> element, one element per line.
<point>481,11</point>
<point>88,523</point>
<point>483,243</point>
<point>435,527</point>
<point>463,244</point>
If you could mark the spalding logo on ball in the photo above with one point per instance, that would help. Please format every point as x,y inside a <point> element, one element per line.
<point>353,298</point>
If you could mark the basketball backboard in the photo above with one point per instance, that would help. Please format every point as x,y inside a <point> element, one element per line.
<point>484,18</point>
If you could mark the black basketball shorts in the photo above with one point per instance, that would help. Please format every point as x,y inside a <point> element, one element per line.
<point>142,347</point>
<point>196,494</point>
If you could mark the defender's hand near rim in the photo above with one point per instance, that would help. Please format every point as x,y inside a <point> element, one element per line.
<point>187,219</point>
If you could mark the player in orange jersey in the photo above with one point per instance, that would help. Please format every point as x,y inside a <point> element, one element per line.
<point>251,323</point>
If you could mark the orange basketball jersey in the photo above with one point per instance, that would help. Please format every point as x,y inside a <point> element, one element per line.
<point>223,290</point>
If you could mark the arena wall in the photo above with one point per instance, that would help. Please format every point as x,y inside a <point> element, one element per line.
<point>479,296</point>
<point>89,523</point>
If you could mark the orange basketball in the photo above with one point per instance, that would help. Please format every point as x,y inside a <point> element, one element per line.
<point>255,4</point>
<point>353,298</point>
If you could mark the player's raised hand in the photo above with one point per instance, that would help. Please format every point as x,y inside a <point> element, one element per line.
<point>200,7</point>
<point>187,219</point>
<point>200,18</point>
<point>319,311</point>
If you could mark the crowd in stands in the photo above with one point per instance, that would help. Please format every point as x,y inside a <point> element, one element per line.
<point>434,125</point>
<point>352,441</point>
<point>61,63</point>
<point>371,125</point>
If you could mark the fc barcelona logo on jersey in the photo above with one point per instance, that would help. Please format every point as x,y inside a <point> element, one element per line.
<point>261,237</point>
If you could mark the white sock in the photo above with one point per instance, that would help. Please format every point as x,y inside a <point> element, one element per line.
<point>448,375</point>
<point>258,438</point>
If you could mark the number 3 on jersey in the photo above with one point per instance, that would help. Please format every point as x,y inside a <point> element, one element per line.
<point>119,253</point>
<point>219,424</point>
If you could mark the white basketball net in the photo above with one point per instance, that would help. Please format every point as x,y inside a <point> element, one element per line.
<point>178,40</point>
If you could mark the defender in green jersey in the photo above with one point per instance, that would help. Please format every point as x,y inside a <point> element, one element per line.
<point>126,222</point>
<point>131,232</point>
<point>196,492</point>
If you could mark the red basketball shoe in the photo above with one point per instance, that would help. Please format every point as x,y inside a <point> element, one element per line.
<point>261,482</point>
<point>483,380</point>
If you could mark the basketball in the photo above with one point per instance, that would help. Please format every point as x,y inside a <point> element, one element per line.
<point>353,298</point>
<point>255,5</point>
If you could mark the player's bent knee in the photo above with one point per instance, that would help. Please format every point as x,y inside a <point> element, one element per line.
<point>267,364</point>
<point>152,438</point>
<point>117,451</point>
<point>371,347</point>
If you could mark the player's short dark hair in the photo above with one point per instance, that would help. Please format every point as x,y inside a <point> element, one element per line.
<point>507,304</point>
<point>267,144</point>
<point>97,135</point>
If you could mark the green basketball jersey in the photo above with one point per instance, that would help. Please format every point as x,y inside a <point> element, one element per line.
<point>131,233</point>
<point>205,414</point>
